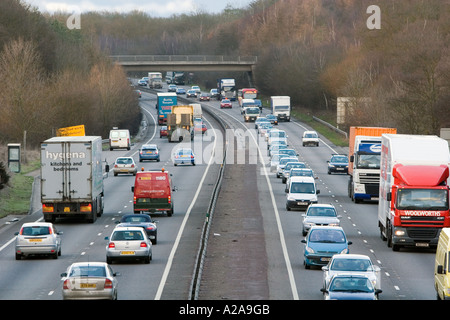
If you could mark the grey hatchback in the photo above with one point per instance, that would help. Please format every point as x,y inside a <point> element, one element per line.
<point>38,238</point>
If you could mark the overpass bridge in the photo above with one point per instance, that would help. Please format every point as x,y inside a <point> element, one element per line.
<point>189,63</point>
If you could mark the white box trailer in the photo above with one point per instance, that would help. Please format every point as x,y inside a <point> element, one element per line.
<point>72,177</point>
<point>281,107</point>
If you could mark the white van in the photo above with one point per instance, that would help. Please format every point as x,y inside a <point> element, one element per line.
<point>301,192</point>
<point>441,267</point>
<point>119,139</point>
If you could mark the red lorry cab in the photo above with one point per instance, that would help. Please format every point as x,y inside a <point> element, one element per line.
<point>153,192</point>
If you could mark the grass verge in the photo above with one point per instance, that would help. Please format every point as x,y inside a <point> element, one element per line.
<point>15,198</point>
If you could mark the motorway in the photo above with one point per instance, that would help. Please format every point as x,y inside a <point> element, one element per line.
<point>406,275</point>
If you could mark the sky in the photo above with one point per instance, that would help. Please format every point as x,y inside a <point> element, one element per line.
<point>155,8</point>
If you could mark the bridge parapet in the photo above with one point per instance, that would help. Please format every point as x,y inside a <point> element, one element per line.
<point>185,58</point>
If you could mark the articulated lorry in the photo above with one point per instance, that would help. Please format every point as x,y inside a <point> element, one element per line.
<point>72,177</point>
<point>164,103</point>
<point>414,194</point>
<point>180,123</point>
<point>281,107</point>
<point>226,89</point>
<point>364,162</point>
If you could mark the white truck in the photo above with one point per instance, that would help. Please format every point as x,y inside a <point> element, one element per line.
<point>72,177</point>
<point>364,152</point>
<point>281,107</point>
<point>155,80</point>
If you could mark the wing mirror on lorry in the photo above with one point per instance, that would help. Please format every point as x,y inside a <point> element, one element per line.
<point>388,196</point>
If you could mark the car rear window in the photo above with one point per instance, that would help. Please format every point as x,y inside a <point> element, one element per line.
<point>127,235</point>
<point>88,271</point>
<point>35,231</point>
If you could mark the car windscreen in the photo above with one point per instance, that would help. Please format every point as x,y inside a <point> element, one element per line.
<point>303,187</point>
<point>327,235</point>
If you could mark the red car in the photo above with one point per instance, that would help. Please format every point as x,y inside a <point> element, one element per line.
<point>200,127</point>
<point>163,131</point>
<point>225,103</point>
<point>204,97</point>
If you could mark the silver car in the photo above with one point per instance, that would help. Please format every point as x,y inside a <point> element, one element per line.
<point>125,165</point>
<point>352,264</point>
<point>38,238</point>
<point>89,280</point>
<point>128,243</point>
<point>319,214</point>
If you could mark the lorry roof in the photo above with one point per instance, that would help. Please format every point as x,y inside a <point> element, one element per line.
<point>418,177</point>
<point>417,149</point>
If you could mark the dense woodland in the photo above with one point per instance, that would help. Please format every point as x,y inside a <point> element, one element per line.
<point>311,50</point>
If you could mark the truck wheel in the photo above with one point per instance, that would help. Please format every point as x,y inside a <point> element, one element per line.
<point>389,234</point>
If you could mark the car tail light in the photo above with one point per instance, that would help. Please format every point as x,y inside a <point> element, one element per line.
<point>108,284</point>
<point>150,228</point>
<point>132,165</point>
<point>168,199</point>
<point>134,200</point>
<point>111,245</point>
<point>66,284</point>
<point>143,245</point>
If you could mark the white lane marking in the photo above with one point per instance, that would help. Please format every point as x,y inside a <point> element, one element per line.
<point>181,230</point>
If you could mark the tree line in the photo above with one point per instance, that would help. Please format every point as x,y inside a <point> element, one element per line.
<point>313,51</point>
<point>52,77</point>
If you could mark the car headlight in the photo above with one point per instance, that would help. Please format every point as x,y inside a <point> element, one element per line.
<point>344,251</point>
<point>309,249</point>
<point>309,224</point>
<point>290,198</point>
<point>334,224</point>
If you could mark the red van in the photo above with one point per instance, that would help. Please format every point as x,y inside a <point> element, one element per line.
<point>153,192</point>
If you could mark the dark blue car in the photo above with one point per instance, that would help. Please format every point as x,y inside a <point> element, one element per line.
<point>338,164</point>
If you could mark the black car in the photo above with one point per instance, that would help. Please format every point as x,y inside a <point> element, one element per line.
<point>338,164</point>
<point>141,220</point>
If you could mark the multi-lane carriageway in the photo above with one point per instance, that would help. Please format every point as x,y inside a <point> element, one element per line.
<point>254,249</point>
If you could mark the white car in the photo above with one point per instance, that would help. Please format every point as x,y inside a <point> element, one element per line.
<point>310,138</point>
<point>300,193</point>
<point>355,264</point>
<point>197,89</point>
